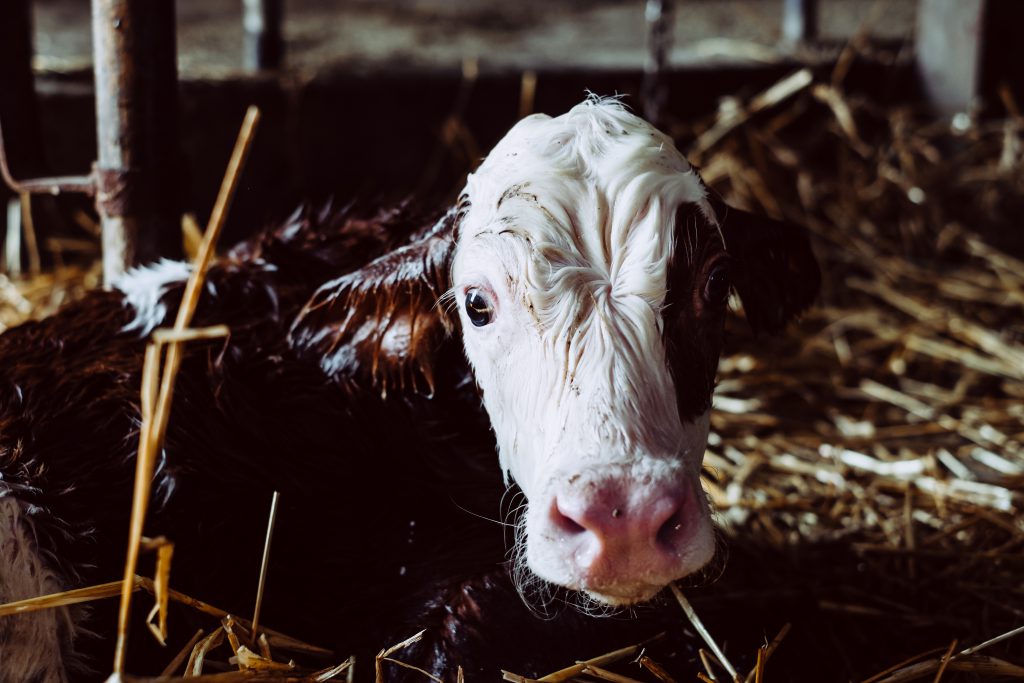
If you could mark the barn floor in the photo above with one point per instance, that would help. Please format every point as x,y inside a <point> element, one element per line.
<point>866,467</point>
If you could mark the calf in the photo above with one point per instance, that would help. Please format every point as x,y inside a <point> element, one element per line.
<point>577,290</point>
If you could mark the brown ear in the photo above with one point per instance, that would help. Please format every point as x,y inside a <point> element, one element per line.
<point>383,323</point>
<point>775,272</point>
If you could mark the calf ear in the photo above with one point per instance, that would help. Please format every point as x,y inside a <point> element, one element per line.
<point>775,272</point>
<point>383,323</point>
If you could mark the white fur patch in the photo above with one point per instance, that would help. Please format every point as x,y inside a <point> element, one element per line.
<point>571,226</point>
<point>32,646</point>
<point>569,232</point>
<point>143,289</point>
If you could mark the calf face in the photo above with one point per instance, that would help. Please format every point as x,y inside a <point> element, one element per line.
<point>591,276</point>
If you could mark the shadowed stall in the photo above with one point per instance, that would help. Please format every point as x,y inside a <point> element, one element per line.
<point>865,469</point>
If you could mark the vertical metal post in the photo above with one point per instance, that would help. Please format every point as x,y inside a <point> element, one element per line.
<point>799,21</point>
<point>949,51</point>
<point>135,55</point>
<point>264,43</point>
<point>660,15</point>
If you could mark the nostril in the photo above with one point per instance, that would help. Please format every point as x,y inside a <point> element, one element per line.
<point>672,530</point>
<point>565,522</point>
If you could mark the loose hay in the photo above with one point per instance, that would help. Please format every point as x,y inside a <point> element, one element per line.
<point>891,425</point>
<point>878,447</point>
<point>32,298</point>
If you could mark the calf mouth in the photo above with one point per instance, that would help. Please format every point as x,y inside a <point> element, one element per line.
<point>606,571</point>
<point>630,597</point>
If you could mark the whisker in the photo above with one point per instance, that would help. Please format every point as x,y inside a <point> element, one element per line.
<point>477,514</point>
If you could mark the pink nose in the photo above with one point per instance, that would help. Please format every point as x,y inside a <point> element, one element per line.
<point>621,531</point>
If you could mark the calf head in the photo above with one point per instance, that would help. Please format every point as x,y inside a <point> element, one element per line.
<point>591,273</point>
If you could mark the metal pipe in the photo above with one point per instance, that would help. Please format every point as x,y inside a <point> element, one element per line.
<point>83,184</point>
<point>799,21</point>
<point>660,15</point>
<point>950,47</point>
<point>134,57</point>
<point>264,43</point>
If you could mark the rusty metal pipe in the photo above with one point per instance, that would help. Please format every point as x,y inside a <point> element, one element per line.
<point>134,56</point>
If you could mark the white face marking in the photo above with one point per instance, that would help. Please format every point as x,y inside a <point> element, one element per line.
<point>143,289</point>
<point>33,646</point>
<point>569,234</point>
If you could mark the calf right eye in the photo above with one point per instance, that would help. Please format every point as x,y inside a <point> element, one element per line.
<point>478,308</point>
<point>716,289</point>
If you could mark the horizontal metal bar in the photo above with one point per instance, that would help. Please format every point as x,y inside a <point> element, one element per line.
<point>80,184</point>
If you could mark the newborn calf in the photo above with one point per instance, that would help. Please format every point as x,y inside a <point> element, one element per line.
<point>590,272</point>
<point>579,288</point>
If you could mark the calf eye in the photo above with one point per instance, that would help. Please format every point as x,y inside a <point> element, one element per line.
<point>478,308</point>
<point>716,288</point>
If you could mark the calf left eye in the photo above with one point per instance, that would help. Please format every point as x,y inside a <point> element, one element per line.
<point>478,308</point>
<point>716,288</point>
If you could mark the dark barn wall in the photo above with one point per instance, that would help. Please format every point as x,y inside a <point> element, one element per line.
<point>375,136</point>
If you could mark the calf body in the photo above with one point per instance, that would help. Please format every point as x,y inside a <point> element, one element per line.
<point>249,417</point>
<point>578,288</point>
